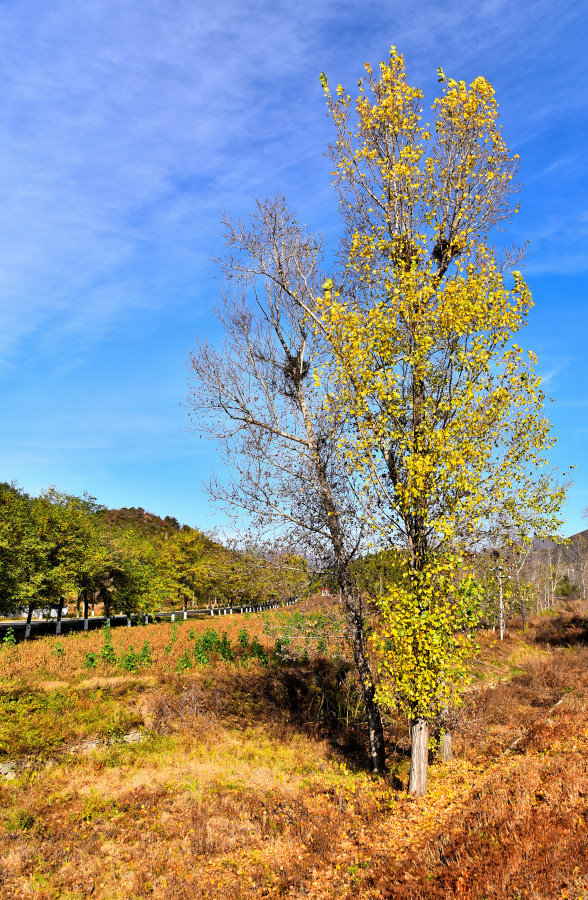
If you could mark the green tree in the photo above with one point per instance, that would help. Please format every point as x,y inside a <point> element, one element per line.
<point>20,550</point>
<point>187,557</point>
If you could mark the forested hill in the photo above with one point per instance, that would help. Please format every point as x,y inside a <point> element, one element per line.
<point>139,518</point>
<point>57,548</point>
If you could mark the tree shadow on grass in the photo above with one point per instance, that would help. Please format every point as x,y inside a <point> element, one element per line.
<point>563,631</point>
<point>318,698</point>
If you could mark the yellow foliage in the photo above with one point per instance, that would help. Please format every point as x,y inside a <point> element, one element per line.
<point>449,439</point>
<point>450,436</point>
<point>426,638</point>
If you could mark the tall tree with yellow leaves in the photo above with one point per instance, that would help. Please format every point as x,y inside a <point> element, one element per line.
<point>448,431</point>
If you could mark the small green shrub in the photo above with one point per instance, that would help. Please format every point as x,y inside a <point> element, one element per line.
<point>129,660</point>
<point>184,661</point>
<point>9,640</point>
<point>172,638</point>
<point>256,651</point>
<point>145,658</point>
<point>107,653</point>
<point>19,820</point>
<point>225,650</point>
<point>132,660</point>
<point>201,657</point>
<point>209,645</point>
<point>210,641</point>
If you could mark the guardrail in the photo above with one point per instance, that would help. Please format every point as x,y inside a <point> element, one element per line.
<point>44,627</point>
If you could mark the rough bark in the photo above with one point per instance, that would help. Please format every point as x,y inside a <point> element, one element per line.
<point>445,747</point>
<point>419,757</point>
<point>259,387</point>
<point>366,681</point>
<point>352,604</point>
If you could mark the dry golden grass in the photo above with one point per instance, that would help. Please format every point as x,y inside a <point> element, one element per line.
<point>250,783</point>
<point>56,661</point>
<point>38,662</point>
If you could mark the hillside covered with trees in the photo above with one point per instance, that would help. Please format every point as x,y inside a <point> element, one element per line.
<point>60,549</point>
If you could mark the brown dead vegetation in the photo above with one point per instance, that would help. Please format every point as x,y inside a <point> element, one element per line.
<point>318,698</point>
<point>521,833</point>
<point>253,783</point>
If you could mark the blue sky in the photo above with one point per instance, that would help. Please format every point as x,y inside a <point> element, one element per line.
<point>128,128</point>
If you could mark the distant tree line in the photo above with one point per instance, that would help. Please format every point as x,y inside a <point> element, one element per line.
<point>58,549</point>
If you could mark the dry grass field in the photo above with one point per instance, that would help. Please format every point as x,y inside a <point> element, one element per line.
<point>173,772</point>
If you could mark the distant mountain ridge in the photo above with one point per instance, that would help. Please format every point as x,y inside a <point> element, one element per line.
<point>573,543</point>
<point>567,558</point>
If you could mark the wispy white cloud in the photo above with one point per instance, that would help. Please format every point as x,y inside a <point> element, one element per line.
<point>559,245</point>
<point>128,128</point>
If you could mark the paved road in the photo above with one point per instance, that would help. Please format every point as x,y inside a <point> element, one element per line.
<point>44,627</point>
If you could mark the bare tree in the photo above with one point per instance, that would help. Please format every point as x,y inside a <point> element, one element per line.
<point>263,398</point>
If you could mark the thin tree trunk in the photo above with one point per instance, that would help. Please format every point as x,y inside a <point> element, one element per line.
<point>445,747</point>
<point>352,603</point>
<point>443,729</point>
<point>85,611</point>
<point>416,528</point>
<point>59,610</point>
<point>501,605</point>
<point>29,619</point>
<point>366,681</point>
<point>419,757</point>
<point>106,604</point>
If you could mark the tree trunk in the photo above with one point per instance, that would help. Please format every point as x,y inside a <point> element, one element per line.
<point>366,681</point>
<point>29,619</point>
<point>352,603</point>
<point>445,747</point>
<point>376,733</point>
<point>59,610</point>
<point>444,731</point>
<point>85,611</point>
<point>419,757</point>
